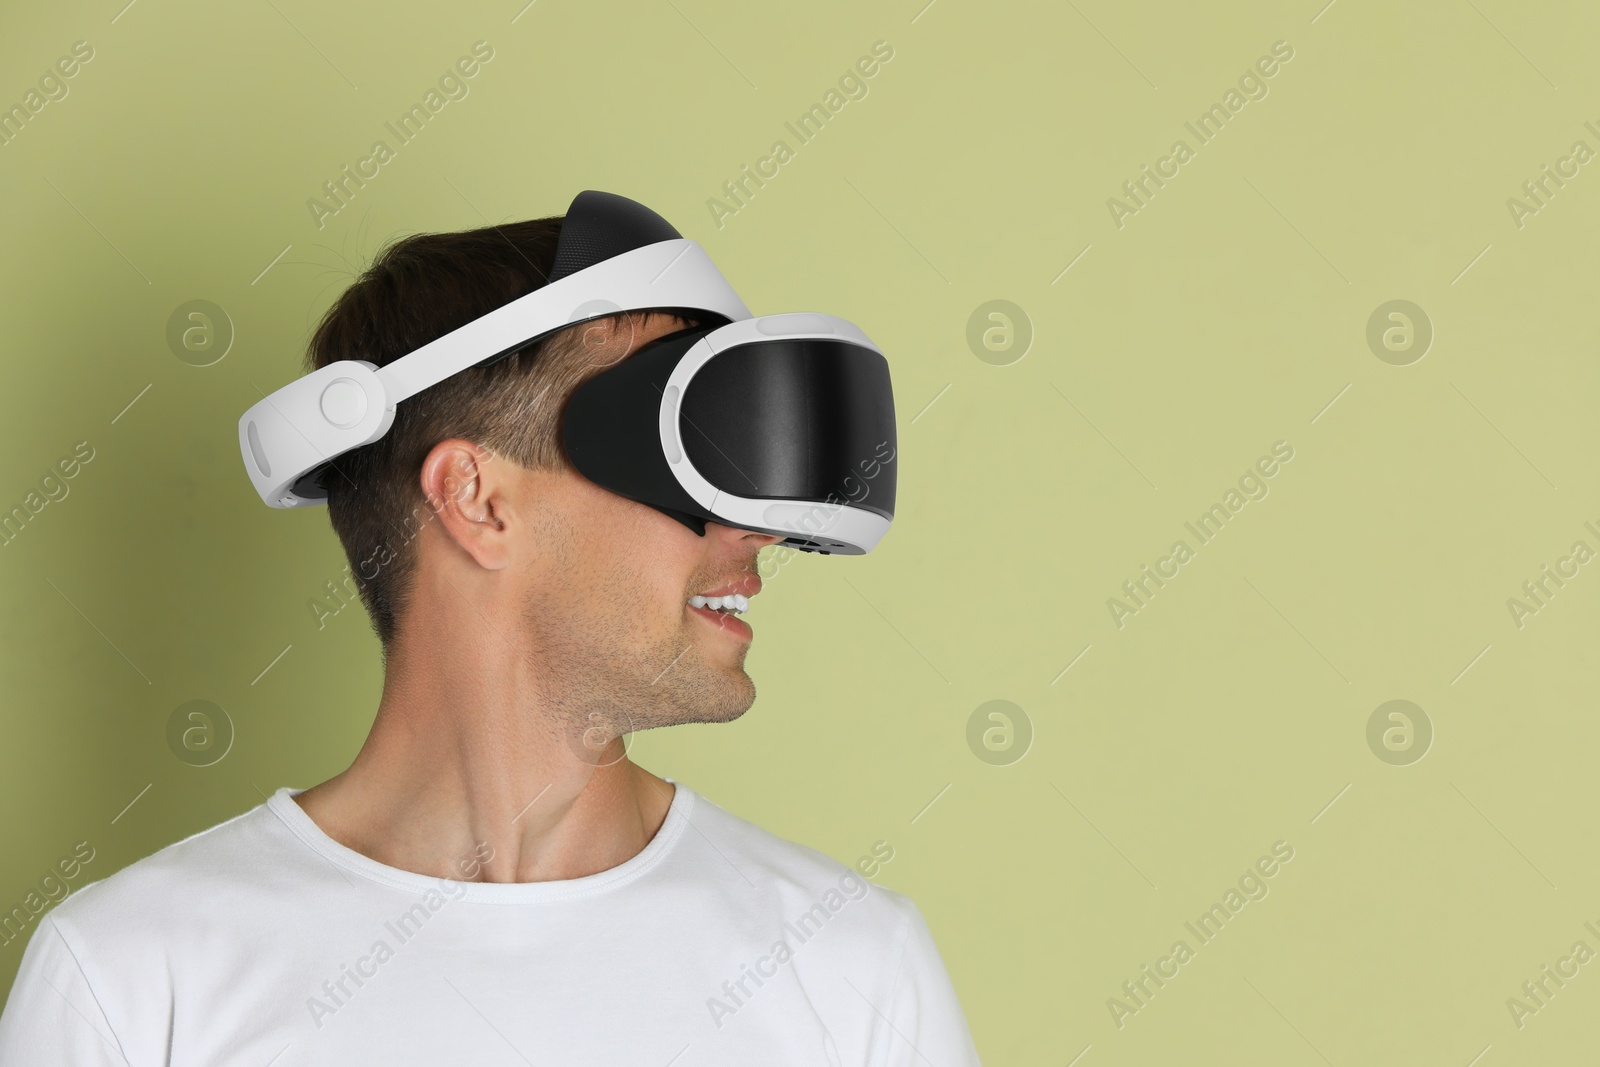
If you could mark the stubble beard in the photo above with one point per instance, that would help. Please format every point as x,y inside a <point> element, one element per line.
<point>604,681</point>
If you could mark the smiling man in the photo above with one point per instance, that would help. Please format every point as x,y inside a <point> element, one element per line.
<point>493,880</point>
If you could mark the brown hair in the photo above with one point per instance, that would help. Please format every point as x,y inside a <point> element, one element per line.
<point>419,288</point>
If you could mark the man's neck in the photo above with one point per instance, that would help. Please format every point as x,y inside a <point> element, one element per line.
<point>490,794</point>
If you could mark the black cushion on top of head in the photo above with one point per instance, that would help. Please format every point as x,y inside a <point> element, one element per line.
<point>600,225</point>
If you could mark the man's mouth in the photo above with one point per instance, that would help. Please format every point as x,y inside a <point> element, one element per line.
<point>731,604</point>
<point>729,597</point>
<point>722,606</point>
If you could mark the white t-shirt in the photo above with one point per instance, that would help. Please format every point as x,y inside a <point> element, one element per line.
<point>262,942</point>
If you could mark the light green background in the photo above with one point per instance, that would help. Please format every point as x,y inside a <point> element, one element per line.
<point>1223,317</point>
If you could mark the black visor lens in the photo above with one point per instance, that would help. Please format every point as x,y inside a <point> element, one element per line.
<point>793,419</point>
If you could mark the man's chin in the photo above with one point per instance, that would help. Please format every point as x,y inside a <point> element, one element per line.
<point>591,732</point>
<point>707,694</point>
<point>722,699</point>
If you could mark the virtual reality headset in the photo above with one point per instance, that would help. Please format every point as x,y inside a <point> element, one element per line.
<point>781,424</point>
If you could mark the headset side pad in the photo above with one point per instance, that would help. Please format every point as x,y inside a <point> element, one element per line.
<point>611,430</point>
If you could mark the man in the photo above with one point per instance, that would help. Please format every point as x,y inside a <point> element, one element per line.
<point>492,880</point>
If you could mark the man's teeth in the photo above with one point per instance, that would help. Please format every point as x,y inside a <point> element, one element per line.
<point>733,602</point>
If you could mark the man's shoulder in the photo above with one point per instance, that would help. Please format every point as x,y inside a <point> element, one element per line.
<point>181,882</point>
<point>804,878</point>
<point>779,855</point>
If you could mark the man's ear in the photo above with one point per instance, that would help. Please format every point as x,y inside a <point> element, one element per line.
<point>468,489</point>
